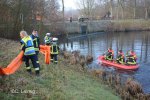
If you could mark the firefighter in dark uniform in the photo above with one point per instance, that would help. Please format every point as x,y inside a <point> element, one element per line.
<point>36,41</point>
<point>47,39</point>
<point>131,58</point>
<point>120,58</point>
<point>29,52</point>
<point>109,54</point>
<point>54,51</point>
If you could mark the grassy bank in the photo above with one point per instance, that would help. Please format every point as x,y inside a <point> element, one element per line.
<point>56,82</point>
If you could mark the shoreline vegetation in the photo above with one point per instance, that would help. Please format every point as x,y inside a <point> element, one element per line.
<point>130,25</point>
<point>126,25</point>
<point>63,81</point>
<point>75,27</point>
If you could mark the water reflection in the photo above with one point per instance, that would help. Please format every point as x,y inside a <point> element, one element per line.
<point>98,43</point>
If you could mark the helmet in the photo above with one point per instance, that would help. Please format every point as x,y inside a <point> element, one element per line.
<point>131,51</point>
<point>48,34</point>
<point>55,39</point>
<point>120,50</point>
<point>109,48</point>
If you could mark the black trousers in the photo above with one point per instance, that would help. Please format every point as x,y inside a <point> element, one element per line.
<point>37,53</point>
<point>35,62</point>
<point>54,58</point>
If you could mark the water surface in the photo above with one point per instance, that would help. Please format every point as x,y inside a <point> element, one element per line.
<point>96,44</point>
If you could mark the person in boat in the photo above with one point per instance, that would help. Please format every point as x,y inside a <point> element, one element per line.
<point>131,58</point>
<point>120,58</point>
<point>109,54</point>
<point>133,54</point>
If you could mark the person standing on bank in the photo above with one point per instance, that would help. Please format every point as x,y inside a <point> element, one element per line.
<point>29,52</point>
<point>36,41</point>
<point>47,39</point>
<point>54,51</point>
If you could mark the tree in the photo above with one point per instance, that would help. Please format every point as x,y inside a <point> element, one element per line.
<point>87,7</point>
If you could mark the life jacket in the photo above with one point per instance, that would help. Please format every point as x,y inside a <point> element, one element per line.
<point>35,40</point>
<point>111,51</point>
<point>131,60</point>
<point>109,55</point>
<point>28,44</point>
<point>133,54</point>
<point>122,54</point>
<point>54,49</point>
<point>121,58</point>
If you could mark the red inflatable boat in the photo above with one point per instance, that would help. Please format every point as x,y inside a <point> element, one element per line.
<point>116,65</point>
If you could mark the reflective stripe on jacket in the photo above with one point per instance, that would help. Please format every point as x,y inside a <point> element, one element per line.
<point>27,46</point>
<point>111,51</point>
<point>54,49</point>
<point>121,58</point>
<point>131,60</point>
<point>36,42</point>
<point>47,40</point>
<point>134,55</point>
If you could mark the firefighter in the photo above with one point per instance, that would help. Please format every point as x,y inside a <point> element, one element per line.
<point>47,39</point>
<point>120,58</point>
<point>133,54</point>
<point>36,41</point>
<point>29,52</point>
<point>109,55</point>
<point>54,51</point>
<point>131,58</point>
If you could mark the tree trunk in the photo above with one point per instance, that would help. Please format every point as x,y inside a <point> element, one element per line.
<point>63,9</point>
<point>117,9</point>
<point>146,13</point>
<point>122,12</point>
<point>111,7</point>
<point>63,13</point>
<point>146,9</point>
<point>122,8</point>
<point>134,9</point>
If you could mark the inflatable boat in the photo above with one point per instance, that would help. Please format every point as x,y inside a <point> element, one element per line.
<point>116,65</point>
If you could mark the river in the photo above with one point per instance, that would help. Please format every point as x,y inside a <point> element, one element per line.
<point>96,44</point>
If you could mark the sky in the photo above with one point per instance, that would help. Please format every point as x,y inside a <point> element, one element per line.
<point>70,4</point>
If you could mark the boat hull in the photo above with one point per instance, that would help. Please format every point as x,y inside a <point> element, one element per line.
<point>116,65</point>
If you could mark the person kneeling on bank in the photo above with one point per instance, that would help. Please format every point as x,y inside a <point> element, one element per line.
<point>29,52</point>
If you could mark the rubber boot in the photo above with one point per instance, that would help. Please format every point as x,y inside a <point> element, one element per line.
<point>29,71</point>
<point>37,73</point>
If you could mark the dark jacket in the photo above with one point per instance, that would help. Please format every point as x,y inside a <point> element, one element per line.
<point>36,42</point>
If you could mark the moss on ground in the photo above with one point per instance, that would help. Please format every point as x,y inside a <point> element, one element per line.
<point>56,82</point>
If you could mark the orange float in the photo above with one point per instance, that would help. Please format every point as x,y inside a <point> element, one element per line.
<point>16,62</point>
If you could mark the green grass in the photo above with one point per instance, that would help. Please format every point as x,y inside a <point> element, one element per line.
<point>56,82</point>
